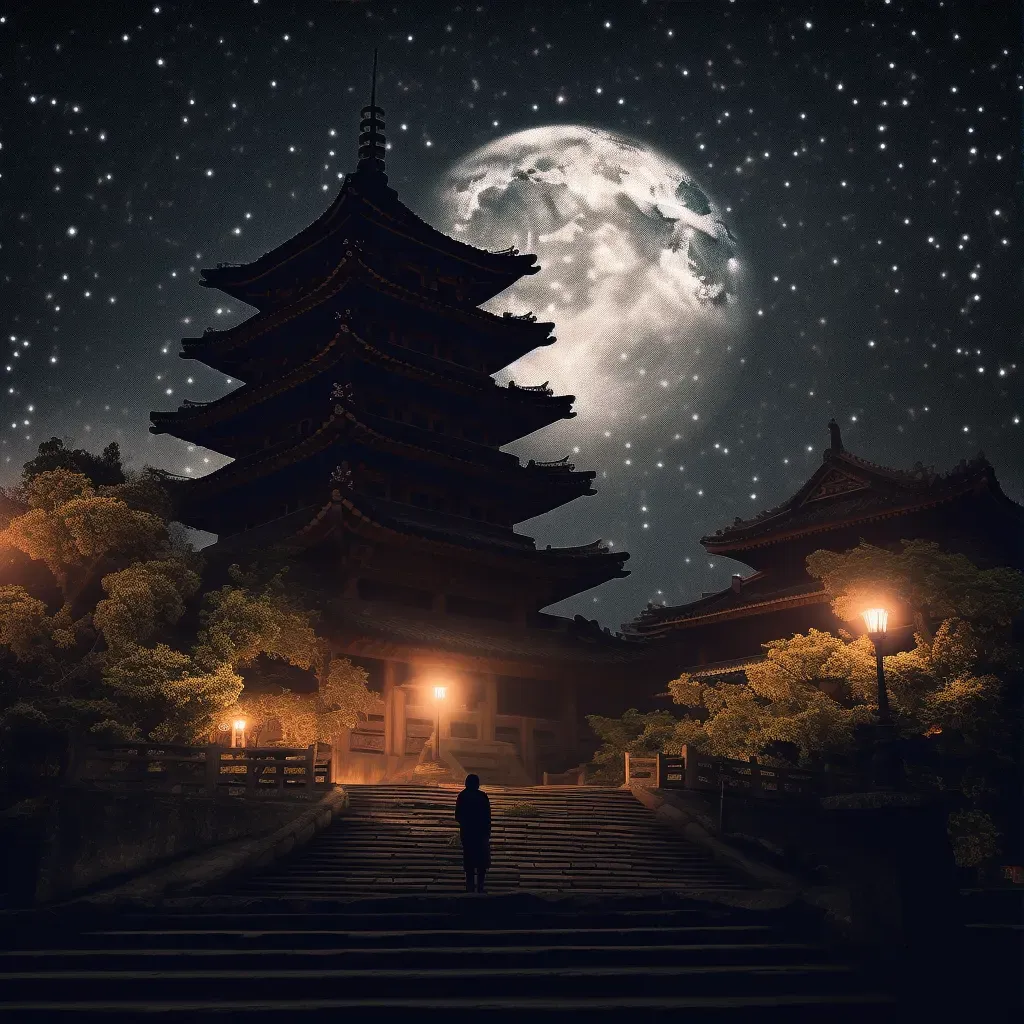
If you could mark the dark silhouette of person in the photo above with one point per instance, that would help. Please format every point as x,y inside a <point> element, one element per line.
<point>473,813</point>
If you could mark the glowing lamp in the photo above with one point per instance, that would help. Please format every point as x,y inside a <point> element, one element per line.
<point>440,692</point>
<point>239,724</point>
<point>877,619</point>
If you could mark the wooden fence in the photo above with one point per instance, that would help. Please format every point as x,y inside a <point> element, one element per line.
<point>208,770</point>
<point>690,770</point>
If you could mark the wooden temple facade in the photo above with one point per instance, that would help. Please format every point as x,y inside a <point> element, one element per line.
<point>366,444</point>
<point>847,499</point>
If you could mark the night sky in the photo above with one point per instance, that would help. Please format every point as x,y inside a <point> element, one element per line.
<point>867,154</point>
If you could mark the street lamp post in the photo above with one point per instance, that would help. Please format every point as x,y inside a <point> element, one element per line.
<point>888,767</point>
<point>877,620</point>
<point>238,732</point>
<point>440,692</point>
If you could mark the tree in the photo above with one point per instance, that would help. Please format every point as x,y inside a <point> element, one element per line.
<point>931,584</point>
<point>634,733</point>
<point>99,659</point>
<point>304,718</point>
<point>954,695</point>
<point>107,632</point>
<point>261,615</point>
<point>101,470</point>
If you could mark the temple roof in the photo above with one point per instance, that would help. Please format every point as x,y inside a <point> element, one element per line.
<point>365,200</point>
<point>567,570</point>
<point>364,197</point>
<point>521,409</point>
<point>416,633</point>
<point>539,486</point>
<point>754,595</point>
<point>522,333</point>
<point>847,489</point>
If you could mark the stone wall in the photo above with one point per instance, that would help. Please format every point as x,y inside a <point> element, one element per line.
<point>886,854</point>
<point>89,837</point>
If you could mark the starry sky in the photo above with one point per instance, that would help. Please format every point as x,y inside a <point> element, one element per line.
<point>868,155</point>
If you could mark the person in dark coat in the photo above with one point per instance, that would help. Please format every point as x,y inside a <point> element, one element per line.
<point>473,813</point>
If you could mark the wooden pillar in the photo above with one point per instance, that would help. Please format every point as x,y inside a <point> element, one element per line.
<point>527,748</point>
<point>488,707</point>
<point>394,712</point>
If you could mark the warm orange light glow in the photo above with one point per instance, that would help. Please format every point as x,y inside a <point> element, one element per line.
<point>239,724</point>
<point>877,619</point>
<point>440,692</point>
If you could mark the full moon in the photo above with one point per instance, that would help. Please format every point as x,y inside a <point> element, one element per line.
<point>639,272</point>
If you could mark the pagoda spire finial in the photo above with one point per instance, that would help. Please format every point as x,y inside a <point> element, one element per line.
<point>372,142</point>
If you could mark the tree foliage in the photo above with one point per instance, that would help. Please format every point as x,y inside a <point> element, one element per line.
<point>952,693</point>
<point>103,469</point>
<point>304,718</point>
<point>122,642</point>
<point>930,583</point>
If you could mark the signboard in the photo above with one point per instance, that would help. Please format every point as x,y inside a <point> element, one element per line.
<point>671,771</point>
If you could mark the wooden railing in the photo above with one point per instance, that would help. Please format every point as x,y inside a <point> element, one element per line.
<point>690,770</point>
<point>209,770</point>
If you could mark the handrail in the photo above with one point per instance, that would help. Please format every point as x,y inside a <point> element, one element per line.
<point>209,769</point>
<point>695,771</point>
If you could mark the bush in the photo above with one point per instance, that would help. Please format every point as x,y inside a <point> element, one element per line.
<point>522,809</point>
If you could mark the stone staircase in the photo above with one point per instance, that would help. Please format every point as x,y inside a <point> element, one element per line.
<point>496,763</point>
<point>401,838</point>
<point>432,959</point>
<point>594,910</point>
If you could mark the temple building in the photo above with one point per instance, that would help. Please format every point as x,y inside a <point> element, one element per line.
<point>847,499</point>
<point>366,444</point>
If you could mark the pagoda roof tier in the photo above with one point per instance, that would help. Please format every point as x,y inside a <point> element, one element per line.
<point>754,595</point>
<point>519,410</point>
<point>561,572</point>
<point>412,634</point>
<point>366,205</point>
<point>847,491</point>
<point>528,490</point>
<point>232,349</point>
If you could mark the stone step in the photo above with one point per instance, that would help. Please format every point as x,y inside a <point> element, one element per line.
<point>402,838</point>
<point>266,982</point>
<point>789,1008</point>
<point>432,959</point>
<point>257,937</point>
<point>538,953</point>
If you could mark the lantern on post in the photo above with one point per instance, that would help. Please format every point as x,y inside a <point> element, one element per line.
<point>877,621</point>
<point>887,763</point>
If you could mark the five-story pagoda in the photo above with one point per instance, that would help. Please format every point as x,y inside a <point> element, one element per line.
<point>366,443</point>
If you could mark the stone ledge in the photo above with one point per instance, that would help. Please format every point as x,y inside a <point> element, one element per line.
<point>198,873</point>
<point>834,901</point>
